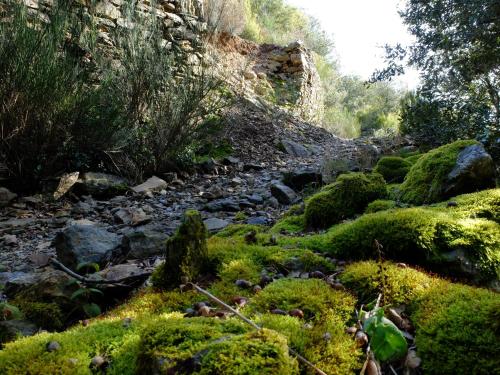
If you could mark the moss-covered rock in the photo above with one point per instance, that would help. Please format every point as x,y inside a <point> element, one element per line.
<point>460,239</point>
<point>446,171</point>
<point>380,205</point>
<point>393,168</point>
<point>186,253</point>
<point>457,326</point>
<point>343,199</point>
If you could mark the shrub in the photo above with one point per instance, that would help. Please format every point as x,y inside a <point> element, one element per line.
<point>393,168</point>
<point>186,253</point>
<point>49,114</point>
<point>348,196</point>
<point>380,205</point>
<point>425,180</point>
<point>457,326</point>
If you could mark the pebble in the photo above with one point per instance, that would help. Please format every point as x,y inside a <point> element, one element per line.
<point>53,346</point>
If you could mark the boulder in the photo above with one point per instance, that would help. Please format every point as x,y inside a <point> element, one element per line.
<point>294,148</point>
<point>473,170</point>
<point>457,168</point>
<point>258,220</point>
<point>150,185</point>
<point>44,284</point>
<point>300,178</point>
<point>283,193</point>
<point>100,185</point>
<point>85,242</point>
<point>6,196</point>
<point>127,273</point>
<point>215,224</point>
<point>143,243</point>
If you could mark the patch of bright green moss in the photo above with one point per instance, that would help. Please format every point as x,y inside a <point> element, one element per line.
<point>425,180</point>
<point>236,230</point>
<point>314,297</point>
<point>343,199</point>
<point>45,315</point>
<point>393,168</point>
<point>290,224</point>
<point>457,326</point>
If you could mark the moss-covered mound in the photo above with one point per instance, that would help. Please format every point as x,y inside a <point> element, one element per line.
<point>457,326</point>
<point>460,239</point>
<point>426,182</point>
<point>343,199</point>
<point>380,205</point>
<point>393,168</point>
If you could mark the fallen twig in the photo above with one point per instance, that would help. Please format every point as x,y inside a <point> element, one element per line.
<point>246,320</point>
<point>85,280</point>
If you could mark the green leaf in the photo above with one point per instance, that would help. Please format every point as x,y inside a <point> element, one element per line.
<point>78,293</point>
<point>91,309</point>
<point>386,340</point>
<point>95,291</point>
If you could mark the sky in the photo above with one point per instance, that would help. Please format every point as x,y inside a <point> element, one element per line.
<point>360,28</point>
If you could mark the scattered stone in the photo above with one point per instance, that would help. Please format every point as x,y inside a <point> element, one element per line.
<point>214,224</point>
<point>300,178</point>
<point>250,75</point>
<point>131,216</point>
<point>98,362</point>
<point>317,275</point>
<point>297,313</point>
<point>230,160</point>
<point>65,184</point>
<point>227,204</point>
<point>294,148</point>
<point>53,346</point>
<point>361,339</point>
<point>152,184</point>
<point>6,196</point>
<point>278,312</point>
<point>257,220</point>
<point>127,322</point>
<point>257,288</point>
<point>251,237</point>
<point>283,193</point>
<point>412,360</point>
<point>243,284</point>
<point>10,239</point>
<point>351,330</point>
<point>252,167</point>
<point>127,273</point>
<point>204,311</point>
<point>85,242</point>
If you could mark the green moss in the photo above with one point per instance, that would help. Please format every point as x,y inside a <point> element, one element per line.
<point>425,180</point>
<point>343,199</point>
<point>240,216</point>
<point>380,205</point>
<point>236,230</point>
<point>457,326</point>
<point>413,159</point>
<point>451,240</point>
<point>207,346</point>
<point>290,224</point>
<point>393,168</point>
<point>10,312</point>
<point>314,297</point>
<point>186,253</point>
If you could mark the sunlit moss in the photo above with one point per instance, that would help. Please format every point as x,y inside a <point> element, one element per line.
<point>393,168</point>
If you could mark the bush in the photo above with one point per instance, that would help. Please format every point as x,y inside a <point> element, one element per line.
<point>343,199</point>
<point>48,112</point>
<point>457,326</point>
<point>425,180</point>
<point>393,168</point>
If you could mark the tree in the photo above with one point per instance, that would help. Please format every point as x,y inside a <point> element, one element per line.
<point>457,51</point>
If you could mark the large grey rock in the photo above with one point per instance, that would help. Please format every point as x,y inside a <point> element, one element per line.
<point>294,148</point>
<point>300,178</point>
<point>473,170</point>
<point>283,193</point>
<point>101,185</point>
<point>6,196</point>
<point>143,243</point>
<point>125,273</point>
<point>85,242</point>
<point>150,185</point>
<point>215,224</point>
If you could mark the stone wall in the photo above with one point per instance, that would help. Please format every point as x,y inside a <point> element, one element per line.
<point>182,21</point>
